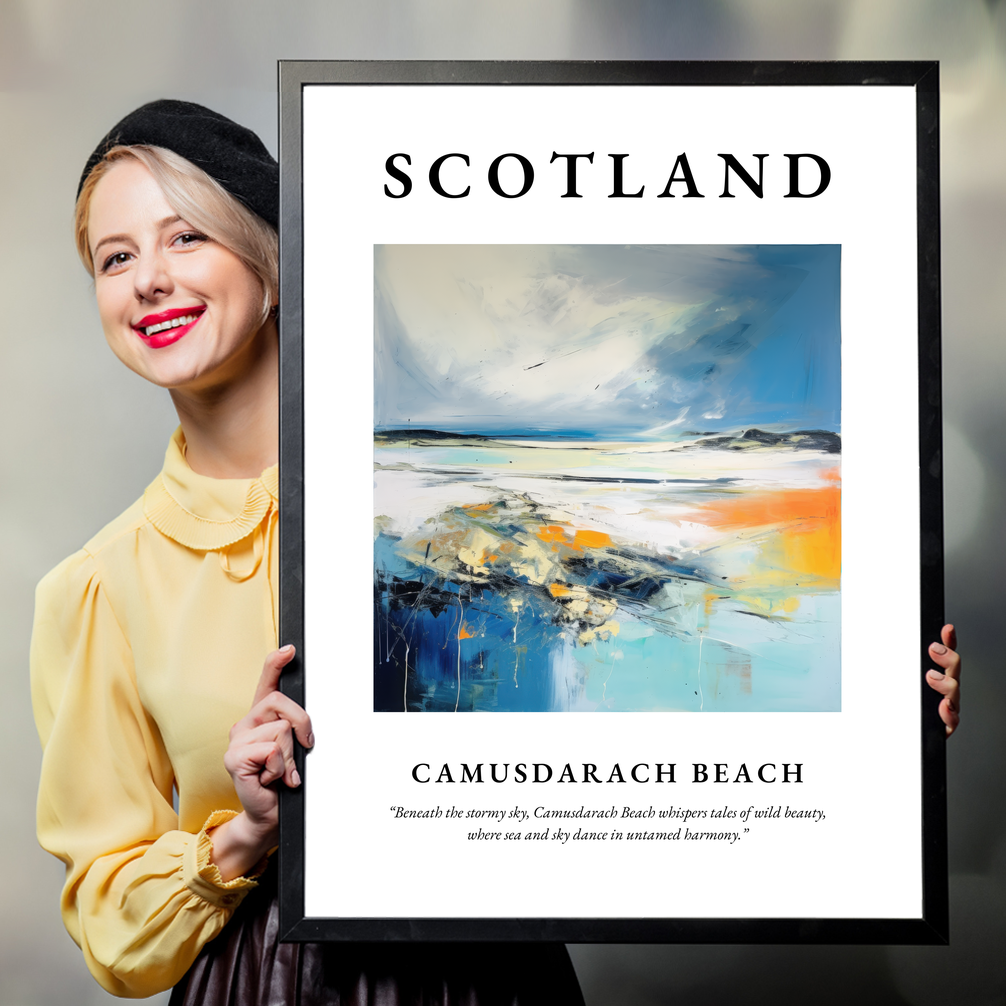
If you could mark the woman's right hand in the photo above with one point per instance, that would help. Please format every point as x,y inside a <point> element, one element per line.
<point>260,753</point>
<point>948,681</point>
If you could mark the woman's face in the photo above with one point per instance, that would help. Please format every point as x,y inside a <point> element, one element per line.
<point>177,308</point>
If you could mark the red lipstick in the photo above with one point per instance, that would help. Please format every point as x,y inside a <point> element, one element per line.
<point>166,325</point>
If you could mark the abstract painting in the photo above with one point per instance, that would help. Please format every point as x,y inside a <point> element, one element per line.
<point>607,478</point>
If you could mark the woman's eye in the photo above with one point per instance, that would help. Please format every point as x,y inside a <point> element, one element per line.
<point>190,238</point>
<point>114,261</point>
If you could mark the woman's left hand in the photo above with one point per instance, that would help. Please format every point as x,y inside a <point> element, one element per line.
<point>948,681</point>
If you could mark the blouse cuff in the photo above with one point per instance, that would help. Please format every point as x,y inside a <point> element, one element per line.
<point>202,876</point>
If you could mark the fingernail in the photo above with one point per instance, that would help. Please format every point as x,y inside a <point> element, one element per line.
<point>936,675</point>
<point>938,648</point>
<point>287,649</point>
<point>310,740</point>
<point>295,777</point>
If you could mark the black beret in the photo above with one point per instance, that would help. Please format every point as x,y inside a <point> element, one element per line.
<point>231,154</point>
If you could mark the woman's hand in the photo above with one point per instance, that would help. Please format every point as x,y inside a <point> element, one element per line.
<point>260,753</point>
<point>948,681</point>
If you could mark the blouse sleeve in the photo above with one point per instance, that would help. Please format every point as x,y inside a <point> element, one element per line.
<point>141,898</point>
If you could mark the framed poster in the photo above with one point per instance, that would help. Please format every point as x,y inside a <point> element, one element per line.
<point>611,501</point>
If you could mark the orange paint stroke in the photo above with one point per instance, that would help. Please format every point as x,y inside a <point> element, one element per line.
<point>558,589</point>
<point>582,539</point>
<point>463,632</point>
<point>553,532</point>
<point>809,523</point>
<point>590,539</point>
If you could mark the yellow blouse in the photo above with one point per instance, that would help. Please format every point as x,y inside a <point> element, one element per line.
<point>147,647</point>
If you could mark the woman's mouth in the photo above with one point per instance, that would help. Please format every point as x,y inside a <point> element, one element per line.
<point>158,330</point>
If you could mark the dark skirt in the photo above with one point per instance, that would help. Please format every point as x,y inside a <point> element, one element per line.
<point>246,965</point>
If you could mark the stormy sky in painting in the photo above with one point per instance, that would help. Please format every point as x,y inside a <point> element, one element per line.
<point>607,340</point>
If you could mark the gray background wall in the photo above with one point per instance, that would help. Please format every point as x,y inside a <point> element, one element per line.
<point>82,436</point>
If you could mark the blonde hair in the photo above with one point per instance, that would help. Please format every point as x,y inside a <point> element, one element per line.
<point>199,200</point>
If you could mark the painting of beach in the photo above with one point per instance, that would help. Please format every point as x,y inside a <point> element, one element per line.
<point>607,478</point>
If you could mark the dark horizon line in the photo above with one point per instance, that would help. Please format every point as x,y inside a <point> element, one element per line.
<point>425,433</point>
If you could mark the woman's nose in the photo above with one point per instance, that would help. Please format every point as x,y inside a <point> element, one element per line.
<point>152,277</point>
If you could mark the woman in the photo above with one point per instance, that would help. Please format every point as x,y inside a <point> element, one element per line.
<point>148,643</point>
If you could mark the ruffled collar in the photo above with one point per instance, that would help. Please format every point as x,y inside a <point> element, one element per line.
<point>203,513</point>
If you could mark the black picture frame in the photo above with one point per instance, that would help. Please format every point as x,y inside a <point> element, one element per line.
<point>932,925</point>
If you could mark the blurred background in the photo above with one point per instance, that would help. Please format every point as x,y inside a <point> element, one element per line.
<point>84,437</point>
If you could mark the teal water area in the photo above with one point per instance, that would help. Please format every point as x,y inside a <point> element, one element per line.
<point>446,644</point>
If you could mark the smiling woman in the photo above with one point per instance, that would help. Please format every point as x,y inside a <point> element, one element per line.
<point>148,642</point>
<point>157,278</point>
